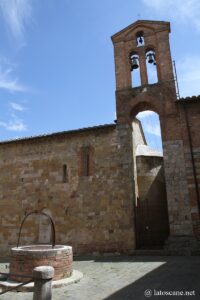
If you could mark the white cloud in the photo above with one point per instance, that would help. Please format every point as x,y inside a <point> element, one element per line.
<point>14,125</point>
<point>16,106</point>
<point>7,80</point>
<point>152,128</point>
<point>189,76</point>
<point>150,122</point>
<point>17,14</point>
<point>179,10</point>
<point>145,114</point>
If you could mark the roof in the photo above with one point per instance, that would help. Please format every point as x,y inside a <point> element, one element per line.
<point>141,22</point>
<point>145,150</point>
<point>192,99</point>
<point>61,133</point>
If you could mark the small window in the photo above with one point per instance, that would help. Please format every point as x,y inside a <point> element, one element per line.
<point>65,176</point>
<point>140,39</point>
<point>87,163</point>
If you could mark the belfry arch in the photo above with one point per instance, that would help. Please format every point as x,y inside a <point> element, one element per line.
<point>140,106</point>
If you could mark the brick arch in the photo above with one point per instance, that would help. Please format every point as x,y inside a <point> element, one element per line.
<point>145,101</point>
<point>142,106</point>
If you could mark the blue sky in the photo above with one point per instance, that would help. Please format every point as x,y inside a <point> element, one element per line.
<point>57,64</point>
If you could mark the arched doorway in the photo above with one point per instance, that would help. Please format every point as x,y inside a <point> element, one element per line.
<point>151,212</point>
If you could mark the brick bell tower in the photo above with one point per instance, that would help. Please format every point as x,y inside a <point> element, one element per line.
<point>136,46</point>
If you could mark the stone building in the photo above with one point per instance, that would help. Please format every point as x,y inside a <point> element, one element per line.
<point>105,189</point>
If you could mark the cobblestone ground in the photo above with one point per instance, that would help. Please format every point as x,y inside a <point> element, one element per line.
<point>124,278</point>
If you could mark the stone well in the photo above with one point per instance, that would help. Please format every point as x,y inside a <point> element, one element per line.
<point>25,258</point>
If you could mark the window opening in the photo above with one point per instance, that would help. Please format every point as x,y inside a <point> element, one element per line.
<point>135,70</point>
<point>140,39</point>
<point>86,167</point>
<point>87,163</point>
<point>64,173</point>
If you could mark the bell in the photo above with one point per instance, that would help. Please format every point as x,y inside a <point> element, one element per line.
<point>134,63</point>
<point>151,58</point>
<point>140,40</point>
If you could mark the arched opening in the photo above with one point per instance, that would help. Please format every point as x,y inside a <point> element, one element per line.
<point>135,69</point>
<point>151,212</point>
<point>151,66</point>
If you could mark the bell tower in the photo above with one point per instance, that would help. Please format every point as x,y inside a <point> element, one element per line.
<point>140,44</point>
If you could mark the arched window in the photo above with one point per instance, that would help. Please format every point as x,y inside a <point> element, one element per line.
<point>140,39</point>
<point>86,161</point>
<point>151,66</point>
<point>135,69</point>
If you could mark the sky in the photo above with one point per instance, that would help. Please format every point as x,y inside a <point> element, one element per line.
<point>57,61</point>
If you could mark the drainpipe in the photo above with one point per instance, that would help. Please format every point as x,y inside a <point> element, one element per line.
<point>192,157</point>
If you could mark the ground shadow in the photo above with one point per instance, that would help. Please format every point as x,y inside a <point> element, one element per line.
<point>176,274</point>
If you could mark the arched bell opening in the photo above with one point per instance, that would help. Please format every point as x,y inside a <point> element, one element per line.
<point>135,69</point>
<point>151,66</point>
<point>151,211</point>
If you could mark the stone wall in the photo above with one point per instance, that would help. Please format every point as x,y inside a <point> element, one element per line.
<point>92,213</point>
<point>138,139</point>
<point>150,177</point>
<point>151,212</point>
<point>177,190</point>
<point>189,109</point>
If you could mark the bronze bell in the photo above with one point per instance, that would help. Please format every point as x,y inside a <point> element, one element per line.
<point>151,58</point>
<point>134,63</point>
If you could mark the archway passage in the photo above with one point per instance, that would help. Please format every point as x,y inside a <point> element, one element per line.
<point>151,213</point>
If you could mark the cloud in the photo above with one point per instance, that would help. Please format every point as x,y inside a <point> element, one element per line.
<point>150,122</point>
<point>145,114</point>
<point>17,14</point>
<point>7,80</point>
<point>179,10</point>
<point>152,128</point>
<point>16,106</point>
<point>189,76</point>
<point>14,124</point>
